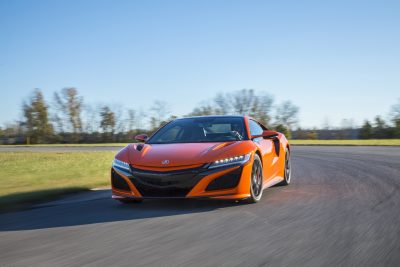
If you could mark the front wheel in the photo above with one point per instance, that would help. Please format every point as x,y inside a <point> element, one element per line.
<point>256,181</point>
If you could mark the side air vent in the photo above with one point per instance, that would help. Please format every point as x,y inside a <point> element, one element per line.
<point>226,181</point>
<point>118,182</point>
<point>139,147</point>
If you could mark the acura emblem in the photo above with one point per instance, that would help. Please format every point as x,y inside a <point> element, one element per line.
<point>165,162</point>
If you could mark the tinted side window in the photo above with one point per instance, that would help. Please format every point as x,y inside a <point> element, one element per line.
<point>255,128</point>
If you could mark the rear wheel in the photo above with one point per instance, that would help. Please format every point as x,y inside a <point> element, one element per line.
<point>256,181</point>
<point>287,169</point>
<point>130,200</point>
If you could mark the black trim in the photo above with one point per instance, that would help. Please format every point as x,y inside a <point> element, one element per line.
<point>226,181</point>
<point>170,183</point>
<point>165,184</point>
<point>118,182</point>
<point>277,145</point>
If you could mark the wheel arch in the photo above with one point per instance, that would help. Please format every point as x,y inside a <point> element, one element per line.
<point>258,152</point>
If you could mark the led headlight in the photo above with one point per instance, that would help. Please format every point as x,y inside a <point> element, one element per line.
<point>231,161</point>
<point>121,165</point>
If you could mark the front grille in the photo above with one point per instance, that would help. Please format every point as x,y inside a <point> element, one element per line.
<point>166,184</point>
<point>226,181</point>
<point>118,182</point>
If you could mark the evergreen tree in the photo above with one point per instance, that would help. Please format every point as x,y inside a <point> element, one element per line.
<point>366,131</point>
<point>380,128</point>
<point>283,129</point>
<point>108,122</point>
<point>37,124</point>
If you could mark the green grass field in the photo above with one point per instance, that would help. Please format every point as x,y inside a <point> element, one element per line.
<point>32,176</point>
<point>68,145</point>
<point>371,142</point>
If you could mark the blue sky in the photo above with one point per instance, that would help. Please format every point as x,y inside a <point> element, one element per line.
<point>334,59</point>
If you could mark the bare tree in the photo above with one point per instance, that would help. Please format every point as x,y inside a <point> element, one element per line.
<point>120,125</point>
<point>57,116</point>
<point>90,118</point>
<point>131,120</point>
<point>222,104</point>
<point>160,113</point>
<point>69,107</point>
<point>287,114</point>
<point>241,102</point>
<point>108,121</point>
<point>140,118</point>
<point>261,108</point>
<point>204,109</point>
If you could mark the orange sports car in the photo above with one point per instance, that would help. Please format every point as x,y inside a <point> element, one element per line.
<point>227,157</point>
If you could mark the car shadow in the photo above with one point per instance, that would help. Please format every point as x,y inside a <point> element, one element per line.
<point>98,207</point>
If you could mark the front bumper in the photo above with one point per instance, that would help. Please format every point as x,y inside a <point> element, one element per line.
<point>231,182</point>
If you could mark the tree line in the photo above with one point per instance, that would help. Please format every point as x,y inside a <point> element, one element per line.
<point>381,129</point>
<point>378,128</point>
<point>68,119</point>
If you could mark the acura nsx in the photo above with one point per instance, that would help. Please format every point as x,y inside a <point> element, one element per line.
<point>227,157</point>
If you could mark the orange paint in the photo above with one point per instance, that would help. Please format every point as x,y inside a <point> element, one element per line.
<point>176,157</point>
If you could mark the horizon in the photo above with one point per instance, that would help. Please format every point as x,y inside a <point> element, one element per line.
<point>330,59</point>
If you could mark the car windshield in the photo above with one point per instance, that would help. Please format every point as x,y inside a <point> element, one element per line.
<point>202,129</point>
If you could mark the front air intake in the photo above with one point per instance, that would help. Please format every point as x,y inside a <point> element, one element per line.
<point>177,183</point>
<point>226,181</point>
<point>118,182</point>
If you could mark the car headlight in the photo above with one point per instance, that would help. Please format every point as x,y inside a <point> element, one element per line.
<point>230,161</point>
<point>121,165</point>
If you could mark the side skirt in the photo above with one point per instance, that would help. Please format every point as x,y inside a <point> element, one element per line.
<point>273,182</point>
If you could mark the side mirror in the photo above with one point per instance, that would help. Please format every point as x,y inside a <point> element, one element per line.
<point>266,134</point>
<point>141,137</point>
<point>269,134</point>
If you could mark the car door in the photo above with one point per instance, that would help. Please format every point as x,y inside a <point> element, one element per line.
<point>266,146</point>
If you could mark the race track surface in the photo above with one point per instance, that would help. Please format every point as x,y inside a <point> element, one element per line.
<point>342,209</point>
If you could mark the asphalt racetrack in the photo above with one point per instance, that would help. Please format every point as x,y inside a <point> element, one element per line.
<point>342,209</point>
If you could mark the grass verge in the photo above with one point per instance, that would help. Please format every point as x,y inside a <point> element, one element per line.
<point>28,177</point>
<point>69,145</point>
<point>370,142</point>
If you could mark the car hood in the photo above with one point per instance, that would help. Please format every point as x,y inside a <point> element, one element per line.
<point>183,154</point>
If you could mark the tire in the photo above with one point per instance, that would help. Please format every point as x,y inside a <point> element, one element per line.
<point>287,169</point>
<point>256,181</point>
<point>130,200</point>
